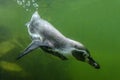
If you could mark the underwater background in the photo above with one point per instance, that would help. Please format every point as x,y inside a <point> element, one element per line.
<point>95,23</point>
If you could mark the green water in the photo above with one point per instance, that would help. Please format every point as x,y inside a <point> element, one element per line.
<point>95,23</point>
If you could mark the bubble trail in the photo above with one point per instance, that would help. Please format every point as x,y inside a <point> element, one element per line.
<point>28,4</point>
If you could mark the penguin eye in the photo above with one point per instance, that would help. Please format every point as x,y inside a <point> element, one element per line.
<point>75,46</point>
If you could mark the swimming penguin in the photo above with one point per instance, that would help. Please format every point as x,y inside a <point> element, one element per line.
<point>45,36</point>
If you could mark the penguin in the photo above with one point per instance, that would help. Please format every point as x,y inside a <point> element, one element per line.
<point>45,36</point>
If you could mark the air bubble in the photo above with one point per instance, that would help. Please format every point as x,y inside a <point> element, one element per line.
<point>33,1</point>
<point>19,2</point>
<point>28,4</point>
<point>35,5</point>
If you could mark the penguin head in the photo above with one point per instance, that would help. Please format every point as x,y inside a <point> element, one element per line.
<point>82,54</point>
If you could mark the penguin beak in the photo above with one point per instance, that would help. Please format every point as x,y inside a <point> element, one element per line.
<point>93,63</point>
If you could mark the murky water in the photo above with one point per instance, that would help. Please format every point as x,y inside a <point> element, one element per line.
<point>95,23</point>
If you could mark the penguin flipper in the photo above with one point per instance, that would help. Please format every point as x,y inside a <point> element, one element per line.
<point>32,46</point>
